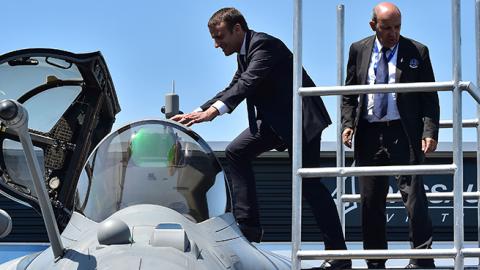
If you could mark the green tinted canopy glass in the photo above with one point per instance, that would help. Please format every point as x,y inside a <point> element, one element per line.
<point>148,147</point>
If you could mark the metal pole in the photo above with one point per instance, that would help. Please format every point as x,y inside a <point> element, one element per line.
<point>380,254</point>
<point>472,90</point>
<point>377,170</point>
<point>379,88</point>
<point>470,123</point>
<point>477,43</point>
<point>297,135</point>
<point>340,81</point>
<point>397,197</point>
<point>45,204</point>
<point>457,138</point>
<point>15,117</point>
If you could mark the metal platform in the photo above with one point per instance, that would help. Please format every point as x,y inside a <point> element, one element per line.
<point>284,249</point>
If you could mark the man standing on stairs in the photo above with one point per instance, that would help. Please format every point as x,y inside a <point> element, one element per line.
<point>391,128</point>
<point>264,78</point>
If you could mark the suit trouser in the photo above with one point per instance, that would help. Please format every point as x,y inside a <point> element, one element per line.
<point>246,147</point>
<point>379,144</point>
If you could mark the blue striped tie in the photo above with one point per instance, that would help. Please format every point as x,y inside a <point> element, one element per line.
<point>380,100</point>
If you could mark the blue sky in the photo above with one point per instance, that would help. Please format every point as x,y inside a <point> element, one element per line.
<point>147,44</point>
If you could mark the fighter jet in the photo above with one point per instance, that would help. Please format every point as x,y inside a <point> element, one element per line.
<point>149,195</point>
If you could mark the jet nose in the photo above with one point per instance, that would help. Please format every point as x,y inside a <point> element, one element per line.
<point>147,259</point>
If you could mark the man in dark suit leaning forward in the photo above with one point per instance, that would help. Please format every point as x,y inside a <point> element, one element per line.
<point>264,79</point>
<point>391,129</point>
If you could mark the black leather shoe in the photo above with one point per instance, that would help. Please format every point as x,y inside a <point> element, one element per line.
<point>376,265</point>
<point>334,265</point>
<point>252,233</point>
<point>420,266</point>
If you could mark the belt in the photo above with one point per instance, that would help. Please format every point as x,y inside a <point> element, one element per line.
<point>391,123</point>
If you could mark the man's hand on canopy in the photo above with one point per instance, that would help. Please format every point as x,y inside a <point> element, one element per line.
<point>196,117</point>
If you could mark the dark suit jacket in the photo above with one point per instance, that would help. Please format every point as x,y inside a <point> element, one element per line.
<point>419,112</point>
<point>266,80</point>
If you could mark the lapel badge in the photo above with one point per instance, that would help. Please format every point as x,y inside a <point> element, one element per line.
<point>413,63</point>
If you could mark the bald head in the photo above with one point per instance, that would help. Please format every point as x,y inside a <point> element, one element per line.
<point>386,22</point>
<point>385,9</point>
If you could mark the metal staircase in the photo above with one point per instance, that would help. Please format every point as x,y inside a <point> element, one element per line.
<point>458,252</point>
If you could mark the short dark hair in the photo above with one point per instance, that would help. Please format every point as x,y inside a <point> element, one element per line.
<point>230,16</point>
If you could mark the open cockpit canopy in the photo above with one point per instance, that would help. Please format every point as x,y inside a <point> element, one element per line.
<point>152,162</point>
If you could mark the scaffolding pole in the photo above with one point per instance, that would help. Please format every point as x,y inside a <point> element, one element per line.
<point>340,81</point>
<point>297,134</point>
<point>457,138</point>
<point>477,46</point>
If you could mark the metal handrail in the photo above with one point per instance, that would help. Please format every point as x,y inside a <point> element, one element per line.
<point>378,88</point>
<point>377,254</point>
<point>471,252</point>
<point>470,123</point>
<point>472,90</point>
<point>383,253</point>
<point>397,197</point>
<point>376,170</point>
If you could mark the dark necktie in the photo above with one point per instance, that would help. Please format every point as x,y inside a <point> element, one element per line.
<point>380,100</point>
<point>252,122</point>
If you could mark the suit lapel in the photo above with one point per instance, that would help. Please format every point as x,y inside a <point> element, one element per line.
<point>249,34</point>
<point>243,63</point>
<point>365,59</point>
<point>366,54</point>
<point>401,60</point>
<point>248,37</point>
